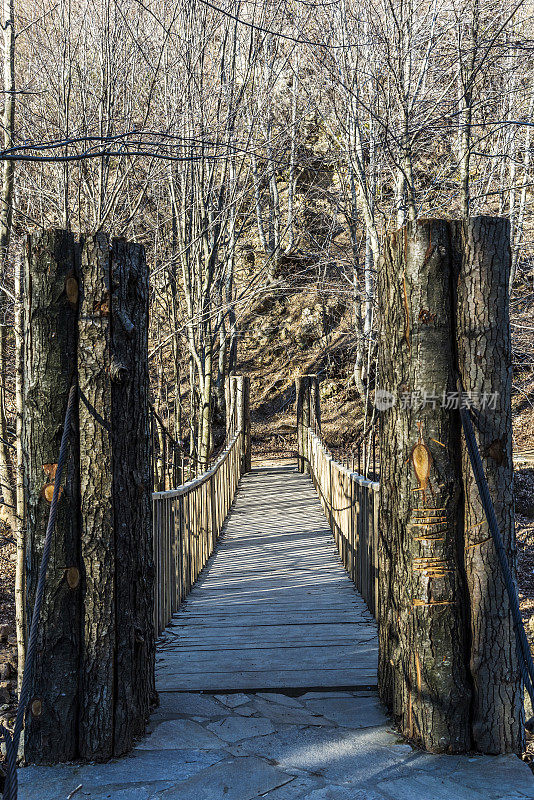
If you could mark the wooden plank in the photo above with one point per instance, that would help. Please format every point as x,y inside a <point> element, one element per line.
<point>316,629</point>
<point>325,630</point>
<point>282,679</point>
<point>261,640</point>
<point>274,607</point>
<point>354,652</point>
<point>285,616</point>
<point>308,601</point>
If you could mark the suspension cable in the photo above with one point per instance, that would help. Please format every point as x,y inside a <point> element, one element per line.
<point>12,741</point>
<point>523,648</point>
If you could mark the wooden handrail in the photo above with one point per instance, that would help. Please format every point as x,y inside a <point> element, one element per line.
<point>350,503</point>
<point>180,491</point>
<point>187,522</point>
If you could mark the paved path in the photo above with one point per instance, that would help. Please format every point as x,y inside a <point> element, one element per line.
<point>274,608</point>
<point>319,746</point>
<point>276,566</point>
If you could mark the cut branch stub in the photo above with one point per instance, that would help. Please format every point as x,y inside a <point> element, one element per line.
<point>72,575</point>
<point>71,290</point>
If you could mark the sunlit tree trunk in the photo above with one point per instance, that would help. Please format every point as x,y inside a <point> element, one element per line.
<point>482,256</point>
<point>422,665</point>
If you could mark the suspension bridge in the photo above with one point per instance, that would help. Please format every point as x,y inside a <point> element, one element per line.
<point>266,661</point>
<point>236,638</point>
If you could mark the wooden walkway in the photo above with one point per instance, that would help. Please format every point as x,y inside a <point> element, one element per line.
<point>274,608</point>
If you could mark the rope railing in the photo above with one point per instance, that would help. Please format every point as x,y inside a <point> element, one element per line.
<point>188,519</point>
<point>167,454</point>
<point>350,503</point>
<point>187,523</point>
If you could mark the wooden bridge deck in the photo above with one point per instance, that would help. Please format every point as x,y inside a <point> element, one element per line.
<point>274,608</point>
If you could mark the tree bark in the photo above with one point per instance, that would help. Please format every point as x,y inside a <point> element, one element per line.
<point>50,301</point>
<point>132,508</point>
<point>482,273</point>
<point>97,536</point>
<point>6,222</point>
<point>118,659</point>
<point>422,672</point>
<point>20,527</point>
<point>303,401</point>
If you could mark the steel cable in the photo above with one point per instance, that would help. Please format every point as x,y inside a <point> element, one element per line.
<point>12,741</point>
<point>523,648</point>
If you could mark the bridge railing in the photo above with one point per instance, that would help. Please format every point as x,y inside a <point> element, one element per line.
<point>167,455</point>
<point>187,523</point>
<point>188,520</point>
<point>349,499</point>
<point>350,502</point>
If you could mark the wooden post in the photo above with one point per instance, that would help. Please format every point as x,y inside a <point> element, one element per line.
<point>230,405</point>
<point>247,436</point>
<point>482,271</point>
<point>299,392</point>
<point>315,401</point>
<point>448,662</point>
<point>97,536</point>
<point>132,512</point>
<point>422,663</point>
<point>116,660</point>
<point>241,393</point>
<point>50,307</point>
<point>303,418</point>
<point>306,422</point>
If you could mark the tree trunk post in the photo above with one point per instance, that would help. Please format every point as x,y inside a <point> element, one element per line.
<point>315,403</point>
<point>298,402</point>
<point>50,304</point>
<point>94,674</point>
<point>247,465</point>
<point>229,390</point>
<point>311,413</point>
<point>242,402</point>
<point>448,663</point>
<point>303,418</point>
<point>481,248</point>
<point>306,423</point>
<point>118,657</point>
<point>422,667</point>
<point>97,522</point>
<point>132,506</point>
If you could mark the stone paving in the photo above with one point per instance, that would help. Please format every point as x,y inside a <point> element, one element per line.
<point>318,746</point>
